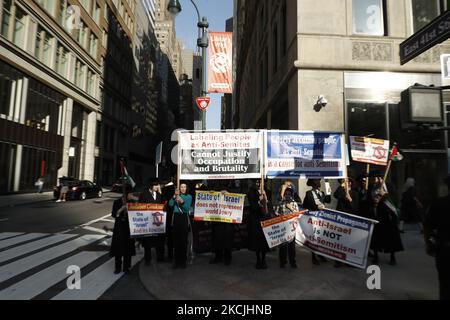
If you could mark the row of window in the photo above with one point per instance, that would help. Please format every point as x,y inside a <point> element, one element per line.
<point>45,47</point>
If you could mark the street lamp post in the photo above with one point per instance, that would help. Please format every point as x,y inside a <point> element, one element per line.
<point>174,7</point>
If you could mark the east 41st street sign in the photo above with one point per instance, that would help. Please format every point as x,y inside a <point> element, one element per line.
<point>432,34</point>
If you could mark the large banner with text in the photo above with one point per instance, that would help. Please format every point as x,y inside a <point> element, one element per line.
<point>146,219</point>
<point>219,207</point>
<point>298,154</point>
<point>220,155</point>
<point>336,235</point>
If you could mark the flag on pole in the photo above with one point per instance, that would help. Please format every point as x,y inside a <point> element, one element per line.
<point>125,174</point>
<point>396,155</point>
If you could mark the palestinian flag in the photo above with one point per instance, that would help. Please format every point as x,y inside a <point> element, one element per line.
<point>395,154</point>
<point>125,174</point>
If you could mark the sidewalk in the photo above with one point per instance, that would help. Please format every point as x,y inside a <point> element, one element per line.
<point>13,200</point>
<point>414,277</point>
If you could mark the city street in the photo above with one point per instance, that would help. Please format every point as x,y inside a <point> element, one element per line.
<point>38,241</point>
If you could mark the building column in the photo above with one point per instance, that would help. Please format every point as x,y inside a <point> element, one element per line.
<point>67,110</point>
<point>89,147</point>
<point>20,104</point>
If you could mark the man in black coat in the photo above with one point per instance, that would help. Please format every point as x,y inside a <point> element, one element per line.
<point>152,195</point>
<point>315,200</point>
<point>437,239</point>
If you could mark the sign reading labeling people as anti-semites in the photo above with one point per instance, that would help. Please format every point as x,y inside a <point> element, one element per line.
<point>336,235</point>
<point>305,155</point>
<point>219,207</point>
<point>281,229</point>
<point>369,150</point>
<point>146,219</point>
<point>220,155</point>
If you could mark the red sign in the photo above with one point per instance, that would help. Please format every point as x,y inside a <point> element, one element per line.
<point>203,102</point>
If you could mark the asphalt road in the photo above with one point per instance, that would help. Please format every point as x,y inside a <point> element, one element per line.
<point>89,217</point>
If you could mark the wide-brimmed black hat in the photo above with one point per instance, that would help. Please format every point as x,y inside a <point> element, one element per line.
<point>375,173</point>
<point>310,181</point>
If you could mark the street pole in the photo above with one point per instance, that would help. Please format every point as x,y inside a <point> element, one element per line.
<point>204,89</point>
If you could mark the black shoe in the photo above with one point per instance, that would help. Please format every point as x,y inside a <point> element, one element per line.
<point>117,271</point>
<point>294,265</point>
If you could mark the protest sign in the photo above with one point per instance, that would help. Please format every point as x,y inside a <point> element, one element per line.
<point>219,207</point>
<point>305,155</point>
<point>336,235</point>
<point>369,150</point>
<point>281,229</point>
<point>220,155</point>
<point>146,219</point>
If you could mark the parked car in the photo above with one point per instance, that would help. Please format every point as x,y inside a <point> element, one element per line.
<point>78,189</point>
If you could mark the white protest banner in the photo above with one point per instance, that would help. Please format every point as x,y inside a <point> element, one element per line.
<point>146,219</point>
<point>336,235</point>
<point>305,154</point>
<point>369,150</point>
<point>219,207</point>
<point>281,229</point>
<point>220,155</point>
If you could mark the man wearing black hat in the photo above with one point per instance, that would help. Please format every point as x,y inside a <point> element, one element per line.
<point>152,195</point>
<point>437,239</point>
<point>315,200</point>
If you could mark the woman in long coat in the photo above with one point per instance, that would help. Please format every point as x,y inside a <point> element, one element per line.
<point>260,210</point>
<point>386,235</point>
<point>122,245</point>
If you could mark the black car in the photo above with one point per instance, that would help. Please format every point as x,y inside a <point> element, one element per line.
<point>78,189</point>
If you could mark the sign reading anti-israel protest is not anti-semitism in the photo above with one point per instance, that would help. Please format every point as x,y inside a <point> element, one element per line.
<point>219,207</point>
<point>305,155</point>
<point>280,230</point>
<point>336,235</point>
<point>146,219</point>
<point>220,155</point>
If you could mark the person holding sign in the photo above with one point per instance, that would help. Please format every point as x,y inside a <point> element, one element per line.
<point>290,203</point>
<point>347,197</point>
<point>260,210</point>
<point>181,204</point>
<point>122,245</point>
<point>315,200</point>
<point>152,195</point>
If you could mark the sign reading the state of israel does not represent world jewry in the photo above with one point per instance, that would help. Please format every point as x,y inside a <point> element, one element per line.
<point>305,154</point>
<point>281,229</point>
<point>369,150</point>
<point>336,235</point>
<point>219,207</point>
<point>220,155</point>
<point>146,219</point>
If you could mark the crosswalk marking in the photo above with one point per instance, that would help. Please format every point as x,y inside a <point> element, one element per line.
<point>41,281</point>
<point>94,284</point>
<point>17,267</point>
<point>5,235</point>
<point>19,239</point>
<point>33,246</point>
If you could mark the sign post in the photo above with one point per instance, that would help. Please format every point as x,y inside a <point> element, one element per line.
<point>158,158</point>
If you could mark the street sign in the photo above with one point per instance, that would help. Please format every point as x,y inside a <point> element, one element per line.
<point>435,32</point>
<point>203,102</point>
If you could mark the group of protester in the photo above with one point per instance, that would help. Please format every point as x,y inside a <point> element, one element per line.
<point>369,199</point>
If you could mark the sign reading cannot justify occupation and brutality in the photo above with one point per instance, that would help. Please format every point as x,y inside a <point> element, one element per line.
<point>146,219</point>
<point>281,229</point>
<point>369,150</point>
<point>219,207</point>
<point>337,235</point>
<point>435,32</point>
<point>305,155</point>
<point>220,155</point>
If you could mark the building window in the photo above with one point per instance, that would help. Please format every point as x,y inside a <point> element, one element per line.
<point>424,11</point>
<point>6,18</point>
<point>48,5</point>
<point>19,28</point>
<point>369,17</point>
<point>90,83</point>
<point>93,45</point>
<point>43,49</point>
<point>62,60</point>
<point>79,74</point>
<point>96,13</point>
